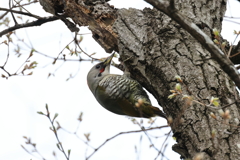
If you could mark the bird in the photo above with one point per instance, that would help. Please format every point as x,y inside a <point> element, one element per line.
<point>120,94</point>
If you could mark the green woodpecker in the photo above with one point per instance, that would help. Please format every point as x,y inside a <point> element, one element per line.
<point>120,94</point>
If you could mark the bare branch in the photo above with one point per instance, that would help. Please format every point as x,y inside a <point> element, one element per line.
<point>199,35</point>
<point>136,131</point>
<point>54,129</point>
<point>20,12</point>
<point>14,19</point>
<point>29,142</point>
<point>3,15</point>
<point>31,24</point>
<point>231,17</point>
<point>163,146</point>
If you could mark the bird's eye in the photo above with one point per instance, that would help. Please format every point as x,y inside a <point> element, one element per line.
<point>98,66</point>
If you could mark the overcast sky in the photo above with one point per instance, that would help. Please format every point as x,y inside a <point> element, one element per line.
<point>22,97</point>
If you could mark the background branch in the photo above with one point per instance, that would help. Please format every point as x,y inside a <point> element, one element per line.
<point>31,24</point>
<point>20,12</point>
<point>136,131</point>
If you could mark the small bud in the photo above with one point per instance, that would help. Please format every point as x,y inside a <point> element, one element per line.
<point>224,44</point>
<point>187,97</point>
<point>215,32</point>
<point>213,133</point>
<point>214,101</point>
<point>80,39</point>
<point>87,136</point>
<point>172,96</point>
<point>220,111</point>
<point>178,87</point>
<point>134,121</point>
<point>178,78</point>
<point>172,91</point>
<point>93,54</point>
<point>226,115</point>
<point>69,151</point>
<point>215,41</point>
<point>174,138</point>
<point>55,116</point>
<point>227,112</point>
<point>80,116</point>
<point>151,121</point>
<point>31,53</point>
<point>46,106</point>
<point>58,125</point>
<point>213,115</point>
<point>55,60</point>
<point>58,146</point>
<point>40,113</point>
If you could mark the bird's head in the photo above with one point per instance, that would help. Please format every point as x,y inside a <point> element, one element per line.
<point>97,72</point>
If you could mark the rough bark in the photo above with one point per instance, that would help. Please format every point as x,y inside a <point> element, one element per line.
<point>155,48</point>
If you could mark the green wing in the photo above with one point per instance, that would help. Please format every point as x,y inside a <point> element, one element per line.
<point>123,87</point>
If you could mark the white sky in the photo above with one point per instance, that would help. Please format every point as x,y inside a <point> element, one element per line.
<point>22,97</point>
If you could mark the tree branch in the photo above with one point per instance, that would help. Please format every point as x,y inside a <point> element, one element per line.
<point>136,131</point>
<point>20,12</point>
<point>14,19</point>
<point>34,23</point>
<point>199,35</point>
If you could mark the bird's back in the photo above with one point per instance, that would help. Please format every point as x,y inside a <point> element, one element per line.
<point>122,86</point>
<point>120,93</point>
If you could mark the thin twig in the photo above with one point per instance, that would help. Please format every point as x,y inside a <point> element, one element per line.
<point>235,55</point>
<point>107,140</point>
<point>14,19</point>
<point>7,55</point>
<point>20,12</point>
<point>29,142</point>
<point>232,17</point>
<point>19,5</point>
<point>74,133</point>
<point>229,52</point>
<point>3,15</point>
<point>161,152</point>
<point>230,21</point>
<point>59,144</point>
<point>76,42</point>
<point>30,24</point>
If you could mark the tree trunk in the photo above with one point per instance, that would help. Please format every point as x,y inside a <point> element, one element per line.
<point>155,49</point>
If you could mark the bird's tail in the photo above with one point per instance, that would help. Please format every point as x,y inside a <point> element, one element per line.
<point>158,112</point>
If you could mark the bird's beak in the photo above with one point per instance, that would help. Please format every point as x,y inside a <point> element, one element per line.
<point>108,60</point>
